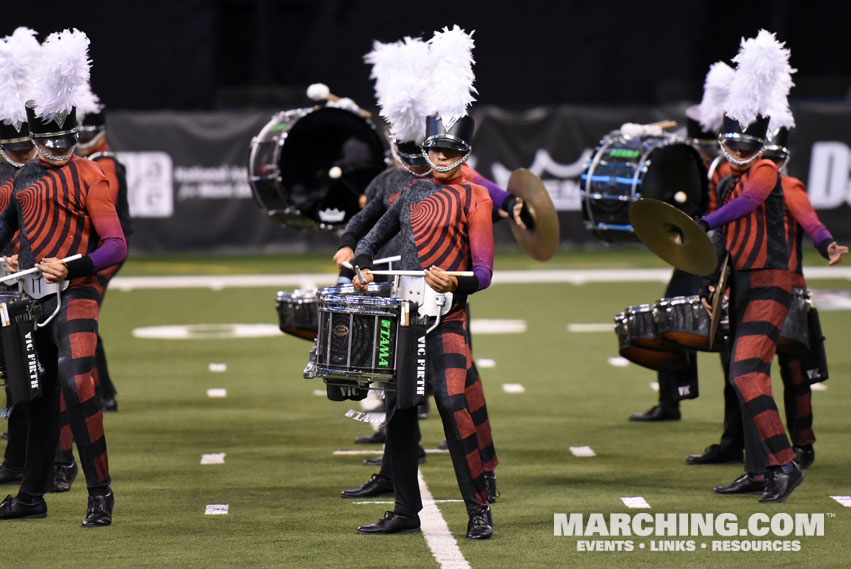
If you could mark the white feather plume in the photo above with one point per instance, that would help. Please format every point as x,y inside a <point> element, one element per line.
<point>19,54</point>
<point>762,79</point>
<point>63,70</point>
<point>400,71</point>
<point>451,87</point>
<point>716,87</point>
<point>87,102</point>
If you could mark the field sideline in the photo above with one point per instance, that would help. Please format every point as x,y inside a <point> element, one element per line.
<point>281,479</point>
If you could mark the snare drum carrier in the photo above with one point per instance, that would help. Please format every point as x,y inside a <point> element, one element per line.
<point>20,369</point>
<point>377,342</point>
<point>624,169</point>
<point>308,167</point>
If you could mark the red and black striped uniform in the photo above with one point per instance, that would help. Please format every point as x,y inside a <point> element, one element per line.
<point>445,225</point>
<point>62,211</point>
<point>752,216</point>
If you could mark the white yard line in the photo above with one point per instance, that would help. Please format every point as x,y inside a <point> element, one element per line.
<point>218,282</point>
<point>440,541</point>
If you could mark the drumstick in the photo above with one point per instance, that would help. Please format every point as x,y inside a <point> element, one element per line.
<point>14,276</point>
<point>408,273</point>
<point>663,124</point>
<point>320,92</point>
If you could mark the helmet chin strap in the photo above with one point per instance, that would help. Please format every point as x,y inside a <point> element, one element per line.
<point>741,163</point>
<point>404,164</point>
<point>50,156</point>
<point>442,169</point>
<point>8,158</point>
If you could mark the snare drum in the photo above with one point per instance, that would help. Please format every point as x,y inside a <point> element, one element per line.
<point>308,167</point>
<point>684,321</point>
<point>297,312</point>
<point>665,358</point>
<point>641,328</point>
<point>357,338</point>
<point>624,169</point>
<point>795,333</point>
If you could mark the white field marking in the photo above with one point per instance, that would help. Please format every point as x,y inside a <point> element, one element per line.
<point>496,326</point>
<point>217,510</point>
<point>217,392</point>
<point>513,388</point>
<point>356,452</point>
<point>582,451</point>
<point>654,385</point>
<point>844,500</point>
<point>485,362</point>
<point>439,539</point>
<point>577,277</point>
<point>215,458</point>
<point>618,361</point>
<point>818,386</point>
<point>635,502</point>
<point>207,331</point>
<point>826,300</point>
<point>320,392</point>
<point>218,367</point>
<point>364,417</point>
<point>591,327</point>
<point>392,502</point>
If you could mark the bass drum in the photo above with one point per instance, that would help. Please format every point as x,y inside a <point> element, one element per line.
<point>624,169</point>
<point>308,167</point>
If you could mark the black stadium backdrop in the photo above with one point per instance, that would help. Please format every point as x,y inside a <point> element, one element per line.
<point>188,83</point>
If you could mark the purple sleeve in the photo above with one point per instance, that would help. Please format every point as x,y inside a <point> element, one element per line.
<point>481,244</point>
<point>113,250</point>
<point>759,185</point>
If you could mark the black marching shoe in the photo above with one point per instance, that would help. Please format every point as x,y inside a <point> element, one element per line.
<point>716,454</point>
<point>779,484</point>
<point>657,413</point>
<point>63,476</point>
<point>805,456</point>
<point>480,525</point>
<point>377,485</point>
<point>392,523</point>
<point>12,509</point>
<point>99,512</point>
<point>490,484</point>
<point>744,484</point>
<point>376,438</point>
<point>10,475</point>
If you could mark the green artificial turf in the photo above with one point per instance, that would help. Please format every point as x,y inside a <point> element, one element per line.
<point>282,482</point>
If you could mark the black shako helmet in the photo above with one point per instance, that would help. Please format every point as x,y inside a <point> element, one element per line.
<point>456,135</point>
<point>58,135</point>
<point>749,141</point>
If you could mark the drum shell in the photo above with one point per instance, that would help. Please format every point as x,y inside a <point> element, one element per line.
<point>667,357</point>
<point>684,321</point>
<point>357,337</point>
<point>641,328</point>
<point>297,313</point>
<point>309,166</point>
<point>624,169</point>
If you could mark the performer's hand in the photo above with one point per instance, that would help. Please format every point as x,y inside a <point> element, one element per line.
<point>53,269</point>
<point>342,255</point>
<point>835,252</point>
<point>12,263</point>
<point>516,209</point>
<point>705,302</point>
<point>367,278</point>
<point>437,279</point>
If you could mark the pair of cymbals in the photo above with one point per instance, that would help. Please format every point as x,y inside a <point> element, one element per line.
<point>540,241</point>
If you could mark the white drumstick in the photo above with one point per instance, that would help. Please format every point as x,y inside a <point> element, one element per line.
<point>388,260</point>
<point>14,276</point>
<point>411,273</point>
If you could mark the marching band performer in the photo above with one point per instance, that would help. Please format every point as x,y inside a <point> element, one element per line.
<point>18,53</point>
<point>445,225</point>
<point>62,207</point>
<point>751,218</point>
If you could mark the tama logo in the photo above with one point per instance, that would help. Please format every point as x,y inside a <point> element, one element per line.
<point>341,330</point>
<point>384,343</point>
<point>421,365</point>
<point>32,362</point>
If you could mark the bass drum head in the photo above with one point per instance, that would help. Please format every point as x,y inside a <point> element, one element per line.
<point>675,168</point>
<point>308,167</point>
<point>316,146</point>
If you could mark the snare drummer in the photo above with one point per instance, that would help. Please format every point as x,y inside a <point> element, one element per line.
<point>445,225</point>
<point>751,219</point>
<point>93,230</point>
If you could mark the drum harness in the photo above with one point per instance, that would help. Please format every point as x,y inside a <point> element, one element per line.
<point>32,283</point>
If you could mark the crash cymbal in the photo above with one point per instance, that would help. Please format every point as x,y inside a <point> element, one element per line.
<point>673,236</point>
<point>541,240</point>
<point>717,296</point>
